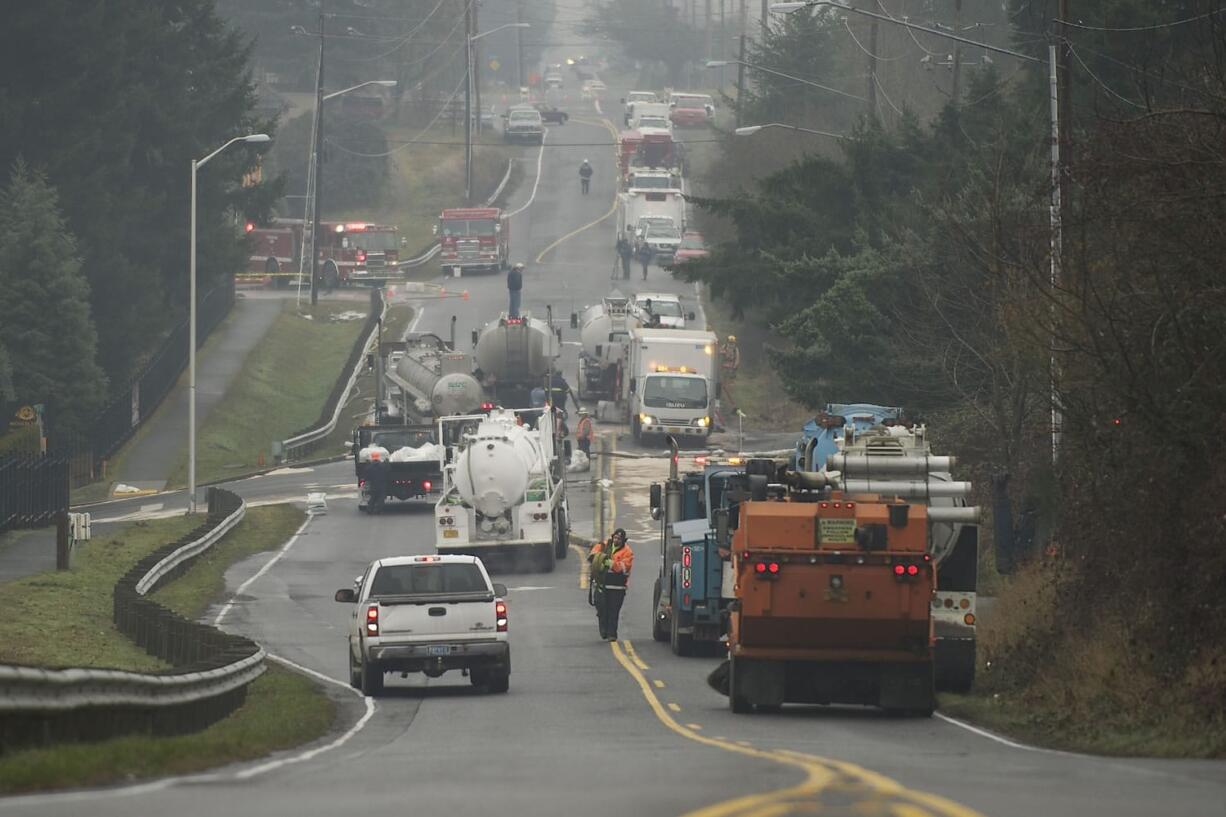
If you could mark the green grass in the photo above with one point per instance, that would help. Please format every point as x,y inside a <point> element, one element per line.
<point>265,528</point>
<point>283,710</point>
<point>75,605</point>
<point>283,385</point>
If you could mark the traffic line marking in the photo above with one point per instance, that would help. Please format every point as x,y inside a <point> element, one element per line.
<point>585,569</point>
<point>221,614</point>
<point>694,726</point>
<point>612,207</point>
<point>659,684</point>
<point>820,773</point>
<point>674,707</point>
<point>634,656</point>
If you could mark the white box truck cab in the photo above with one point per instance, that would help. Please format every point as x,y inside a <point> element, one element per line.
<point>673,382</point>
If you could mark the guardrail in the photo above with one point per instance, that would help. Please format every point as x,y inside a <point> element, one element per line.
<point>211,669</point>
<point>307,440</point>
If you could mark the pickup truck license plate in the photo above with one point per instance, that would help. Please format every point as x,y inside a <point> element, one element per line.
<point>674,430</point>
<point>451,534</point>
<point>440,650</point>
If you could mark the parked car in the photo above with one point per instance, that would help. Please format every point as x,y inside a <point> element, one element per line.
<point>593,88</point>
<point>428,614</point>
<point>664,239</point>
<point>523,124</point>
<point>692,246</point>
<point>551,114</point>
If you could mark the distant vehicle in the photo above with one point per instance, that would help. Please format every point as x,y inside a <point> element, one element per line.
<point>692,246</point>
<point>640,96</point>
<point>350,252</point>
<point>661,122</point>
<point>409,477</point>
<point>473,238</point>
<point>553,80</point>
<point>593,88</point>
<point>653,179</point>
<point>524,124</point>
<point>665,306</point>
<point>396,626</point>
<point>671,383</point>
<point>550,113</point>
<point>636,111</point>
<point>664,239</point>
<point>691,110</point>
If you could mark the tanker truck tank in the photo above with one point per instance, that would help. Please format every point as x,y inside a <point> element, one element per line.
<point>438,380</point>
<point>515,355</point>
<point>493,470</point>
<point>604,331</point>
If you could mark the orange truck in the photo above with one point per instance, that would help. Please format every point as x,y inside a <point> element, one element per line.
<point>832,599</point>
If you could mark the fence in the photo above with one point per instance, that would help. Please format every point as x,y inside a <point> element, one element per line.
<point>305,441</point>
<point>33,490</point>
<point>211,669</point>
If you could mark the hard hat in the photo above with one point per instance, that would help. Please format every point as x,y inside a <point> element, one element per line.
<point>620,532</point>
<point>585,160</point>
<point>582,412</point>
<point>732,338</point>
<point>519,265</point>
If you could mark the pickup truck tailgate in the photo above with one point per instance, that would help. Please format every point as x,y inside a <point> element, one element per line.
<point>437,618</point>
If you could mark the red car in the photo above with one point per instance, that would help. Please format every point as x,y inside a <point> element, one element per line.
<point>691,247</point>
<point>691,110</point>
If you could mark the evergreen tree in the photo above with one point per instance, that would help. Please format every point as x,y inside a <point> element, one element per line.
<point>45,321</point>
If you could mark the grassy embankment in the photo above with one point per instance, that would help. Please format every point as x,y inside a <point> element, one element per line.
<point>282,708</point>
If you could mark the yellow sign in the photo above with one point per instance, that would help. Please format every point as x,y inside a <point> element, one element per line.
<point>26,414</point>
<point>495,65</point>
<point>837,531</point>
<point>451,534</point>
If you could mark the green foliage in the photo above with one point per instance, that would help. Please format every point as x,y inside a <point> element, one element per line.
<point>649,31</point>
<point>355,169</point>
<point>44,314</point>
<point>112,101</point>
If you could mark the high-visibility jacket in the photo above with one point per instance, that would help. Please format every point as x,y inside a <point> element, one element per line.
<point>617,575</point>
<point>583,430</point>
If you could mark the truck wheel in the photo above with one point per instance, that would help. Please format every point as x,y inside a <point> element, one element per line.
<point>561,541</point>
<point>638,430</point>
<point>355,672</point>
<point>737,703</point>
<point>371,679</point>
<point>682,644</point>
<point>657,624</point>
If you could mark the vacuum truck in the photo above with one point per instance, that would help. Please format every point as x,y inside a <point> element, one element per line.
<point>604,331</point>
<point>874,450</point>
<point>514,356</point>
<point>504,491</point>
<point>427,378</point>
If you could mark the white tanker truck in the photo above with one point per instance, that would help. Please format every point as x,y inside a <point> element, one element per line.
<point>426,378</point>
<point>604,330</point>
<point>504,491</point>
<point>514,356</point>
<point>896,460</point>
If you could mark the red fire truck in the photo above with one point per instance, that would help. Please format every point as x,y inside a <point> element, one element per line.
<point>474,239</point>
<point>349,252</point>
<point>648,147</point>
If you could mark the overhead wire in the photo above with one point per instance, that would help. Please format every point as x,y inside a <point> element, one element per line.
<point>416,140</point>
<point>407,36</point>
<point>1100,82</point>
<point>865,50</point>
<point>1154,27</point>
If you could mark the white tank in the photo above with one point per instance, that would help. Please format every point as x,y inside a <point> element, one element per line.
<point>517,350</point>
<point>599,321</point>
<point>438,380</point>
<point>494,468</point>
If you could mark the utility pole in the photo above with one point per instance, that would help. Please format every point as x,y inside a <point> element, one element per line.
<point>475,6</point>
<point>468,104</point>
<point>740,80</point>
<point>872,70</point>
<point>723,40</point>
<point>957,66</point>
<point>319,167</point>
<point>519,45</point>
<point>766,17</point>
<point>706,31</point>
<point>1061,130</point>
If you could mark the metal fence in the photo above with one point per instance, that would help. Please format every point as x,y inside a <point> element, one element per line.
<point>208,681</point>
<point>33,490</point>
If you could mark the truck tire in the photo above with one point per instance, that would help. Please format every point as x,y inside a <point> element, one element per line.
<point>561,536</point>
<point>371,679</point>
<point>681,644</point>
<point>637,429</point>
<point>657,623</point>
<point>355,672</point>
<point>498,682</point>
<point>738,704</point>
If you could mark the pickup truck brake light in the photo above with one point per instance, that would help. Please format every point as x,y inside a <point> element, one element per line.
<point>372,620</point>
<point>500,615</point>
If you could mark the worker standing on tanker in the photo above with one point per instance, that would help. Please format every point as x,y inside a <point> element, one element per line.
<point>515,285</point>
<point>611,564</point>
<point>583,432</point>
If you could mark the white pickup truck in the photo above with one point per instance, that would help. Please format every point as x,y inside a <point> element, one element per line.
<point>427,614</point>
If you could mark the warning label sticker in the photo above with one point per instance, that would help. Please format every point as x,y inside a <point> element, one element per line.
<point>837,531</point>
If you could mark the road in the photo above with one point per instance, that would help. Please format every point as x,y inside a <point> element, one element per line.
<point>588,727</point>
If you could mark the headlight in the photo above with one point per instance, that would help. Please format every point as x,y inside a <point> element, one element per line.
<point>703,422</point>
<point>646,419</point>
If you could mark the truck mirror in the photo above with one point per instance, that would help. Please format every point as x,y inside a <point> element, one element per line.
<point>346,596</point>
<point>656,495</point>
<point>559,331</point>
<point>498,227</point>
<point>689,316</point>
<point>474,337</point>
<point>632,385</point>
<point>404,242</point>
<point>566,449</point>
<point>622,100</point>
<point>574,320</point>
<point>433,230</point>
<point>370,362</point>
<point>599,350</point>
<point>757,487</point>
<point>500,589</point>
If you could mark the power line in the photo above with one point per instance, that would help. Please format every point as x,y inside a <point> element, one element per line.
<point>416,139</point>
<point>1155,27</point>
<point>865,50</point>
<point>1102,84</point>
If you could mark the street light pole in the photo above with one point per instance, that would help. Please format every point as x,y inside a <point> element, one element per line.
<point>740,75</point>
<point>253,138</point>
<point>319,167</point>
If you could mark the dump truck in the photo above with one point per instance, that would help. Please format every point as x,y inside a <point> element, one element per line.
<point>876,450</point>
<point>413,455</point>
<point>832,596</point>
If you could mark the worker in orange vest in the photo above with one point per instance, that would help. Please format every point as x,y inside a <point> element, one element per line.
<point>611,564</point>
<point>583,432</point>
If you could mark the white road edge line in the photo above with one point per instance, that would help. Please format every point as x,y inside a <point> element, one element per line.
<point>540,156</point>
<point>221,614</point>
<point>984,733</point>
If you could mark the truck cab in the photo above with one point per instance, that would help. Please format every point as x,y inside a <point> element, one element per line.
<point>672,387</point>
<point>475,239</point>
